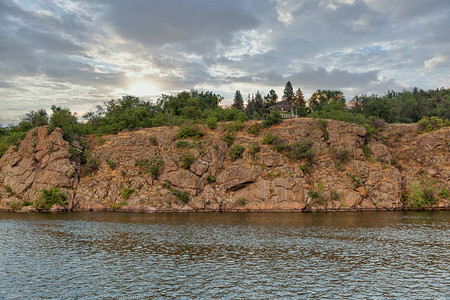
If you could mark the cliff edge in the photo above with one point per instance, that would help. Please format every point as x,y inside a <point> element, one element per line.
<point>304,165</point>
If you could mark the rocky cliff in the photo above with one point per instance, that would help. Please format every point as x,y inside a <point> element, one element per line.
<point>151,170</point>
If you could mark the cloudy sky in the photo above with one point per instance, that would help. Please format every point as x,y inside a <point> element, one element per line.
<point>78,54</point>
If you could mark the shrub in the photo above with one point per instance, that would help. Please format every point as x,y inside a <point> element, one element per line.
<point>115,207</point>
<point>366,151</point>
<point>181,195</point>
<point>241,201</point>
<point>228,138</point>
<point>335,196</point>
<point>112,164</point>
<point>182,144</point>
<point>254,129</point>
<point>211,122</point>
<point>443,193</point>
<point>272,119</point>
<point>50,197</point>
<point>190,131</point>
<point>212,178</point>
<point>89,163</point>
<point>186,160</point>
<point>341,154</point>
<point>427,124</point>
<point>152,166</point>
<point>306,168</point>
<point>269,138</point>
<point>233,127</point>
<point>236,152</point>
<point>253,149</point>
<point>302,150</point>
<point>126,192</point>
<point>323,127</point>
<point>416,195</point>
<point>356,180</point>
<point>153,140</point>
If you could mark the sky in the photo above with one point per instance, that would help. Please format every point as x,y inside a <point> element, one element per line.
<point>78,54</point>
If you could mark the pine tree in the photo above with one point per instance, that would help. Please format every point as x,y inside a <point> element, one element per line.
<point>270,99</point>
<point>259,103</point>
<point>299,99</point>
<point>238,101</point>
<point>288,92</point>
<point>250,108</point>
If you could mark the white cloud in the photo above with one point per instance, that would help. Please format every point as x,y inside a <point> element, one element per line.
<point>435,61</point>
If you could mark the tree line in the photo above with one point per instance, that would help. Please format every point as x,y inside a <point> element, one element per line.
<point>130,113</point>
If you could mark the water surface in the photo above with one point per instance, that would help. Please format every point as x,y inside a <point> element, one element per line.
<point>354,255</point>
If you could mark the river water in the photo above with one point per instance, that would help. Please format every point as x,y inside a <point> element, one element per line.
<point>353,255</point>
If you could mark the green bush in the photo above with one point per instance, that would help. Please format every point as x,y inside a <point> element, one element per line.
<point>236,152</point>
<point>181,195</point>
<point>427,124</point>
<point>302,150</point>
<point>50,197</point>
<point>228,138</point>
<point>211,122</point>
<point>253,149</point>
<point>153,140</point>
<point>112,164</point>
<point>190,131</point>
<point>269,138</point>
<point>241,201</point>
<point>212,178</point>
<point>126,192</point>
<point>182,144</point>
<point>341,154</point>
<point>323,126</point>
<point>444,193</point>
<point>186,160</point>
<point>89,163</point>
<point>152,166</point>
<point>254,129</point>
<point>306,168</point>
<point>272,118</point>
<point>416,195</point>
<point>233,127</point>
<point>366,151</point>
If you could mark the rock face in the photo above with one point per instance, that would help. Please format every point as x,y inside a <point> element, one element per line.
<point>41,161</point>
<point>146,170</point>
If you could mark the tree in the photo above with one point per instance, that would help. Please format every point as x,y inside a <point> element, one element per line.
<point>64,119</point>
<point>288,92</point>
<point>299,99</point>
<point>321,97</point>
<point>270,99</point>
<point>238,101</point>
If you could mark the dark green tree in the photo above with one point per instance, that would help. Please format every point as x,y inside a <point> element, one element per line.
<point>299,99</point>
<point>270,99</point>
<point>238,102</point>
<point>288,92</point>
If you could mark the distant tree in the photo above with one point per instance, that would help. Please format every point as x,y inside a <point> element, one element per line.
<point>64,119</point>
<point>259,103</point>
<point>270,99</point>
<point>321,97</point>
<point>288,92</point>
<point>299,99</point>
<point>238,101</point>
<point>250,108</point>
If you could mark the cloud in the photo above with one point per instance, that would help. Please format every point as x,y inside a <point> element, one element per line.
<point>435,61</point>
<point>79,53</point>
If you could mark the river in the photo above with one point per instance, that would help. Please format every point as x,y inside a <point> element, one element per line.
<point>353,255</point>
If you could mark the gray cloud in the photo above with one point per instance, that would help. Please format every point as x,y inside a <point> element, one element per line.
<point>79,53</point>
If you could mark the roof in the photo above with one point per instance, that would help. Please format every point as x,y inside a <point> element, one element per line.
<point>284,103</point>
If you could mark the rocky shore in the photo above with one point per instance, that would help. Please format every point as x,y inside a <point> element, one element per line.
<point>147,171</point>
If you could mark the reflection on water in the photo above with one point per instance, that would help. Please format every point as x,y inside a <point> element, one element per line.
<point>225,255</point>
